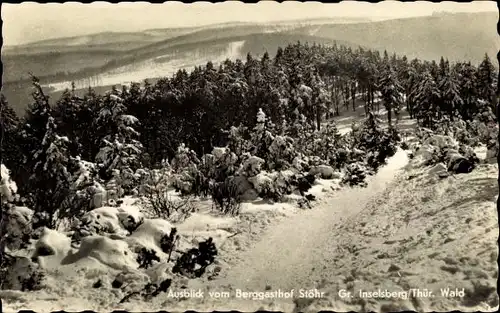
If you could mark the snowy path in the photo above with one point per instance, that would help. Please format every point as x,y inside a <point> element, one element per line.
<point>294,254</point>
<point>396,235</point>
<point>298,252</point>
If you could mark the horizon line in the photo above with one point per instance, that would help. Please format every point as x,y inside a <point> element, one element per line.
<point>367,18</point>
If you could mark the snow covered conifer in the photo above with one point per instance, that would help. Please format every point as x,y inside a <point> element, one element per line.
<point>426,99</point>
<point>391,92</point>
<point>50,180</point>
<point>186,168</point>
<point>15,225</point>
<point>262,136</point>
<point>120,151</point>
<point>237,141</point>
<point>486,79</point>
<point>466,75</point>
<point>184,158</point>
<point>31,134</point>
<point>281,152</point>
<point>321,99</point>
<point>450,94</point>
<point>9,143</point>
<point>84,183</point>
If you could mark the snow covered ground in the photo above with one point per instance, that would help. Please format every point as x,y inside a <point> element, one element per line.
<point>72,271</point>
<point>409,229</point>
<point>423,233</point>
<point>347,117</point>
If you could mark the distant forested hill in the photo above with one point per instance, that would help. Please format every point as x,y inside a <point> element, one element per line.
<point>458,37</point>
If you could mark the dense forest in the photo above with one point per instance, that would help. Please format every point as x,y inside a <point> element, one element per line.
<point>214,131</point>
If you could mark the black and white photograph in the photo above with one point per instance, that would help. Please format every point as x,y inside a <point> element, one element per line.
<point>230,156</point>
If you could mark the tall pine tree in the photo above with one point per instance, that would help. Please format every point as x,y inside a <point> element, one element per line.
<point>486,79</point>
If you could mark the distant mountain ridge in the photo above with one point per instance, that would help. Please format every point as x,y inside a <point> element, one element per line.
<point>458,37</point>
<point>149,35</point>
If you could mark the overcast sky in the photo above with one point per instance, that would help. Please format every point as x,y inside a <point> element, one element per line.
<point>30,21</point>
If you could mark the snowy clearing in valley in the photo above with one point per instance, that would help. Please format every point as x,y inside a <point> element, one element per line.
<point>160,66</point>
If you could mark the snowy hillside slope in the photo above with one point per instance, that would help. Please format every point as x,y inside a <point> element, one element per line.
<point>430,233</point>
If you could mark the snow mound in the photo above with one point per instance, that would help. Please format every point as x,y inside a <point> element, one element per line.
<point>199,227</point>
<point>100,195</point>
<point>219,237</point>
<point>282,209</point>
<point>441,141</point>
<point>23,212</point>
<point>149,234</point>
<point>262,180</point>
<point>129,216</point>
<point>8,188</point>
<point>424,154</point>
<point>51,248</point>
<point>325,172</point>
<point>438,169</point>
<point>219,152</point>
<point>323,186</point>
<point>19,217</point>
<point>112,253</point>
<point>203,222</point>
<point>251,166</point>
<point>112,220</point>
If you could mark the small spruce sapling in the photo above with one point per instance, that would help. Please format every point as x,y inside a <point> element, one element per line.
<point>167,242</point>
<point>203,256</point>
<point>146,257</point>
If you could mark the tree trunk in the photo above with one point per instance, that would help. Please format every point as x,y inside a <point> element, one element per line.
<point>329,110</point>
<point>346,101</point>
<point>366,99</point>
<point>353,93</point>
<point>407,101</point>
<point>337,101</point>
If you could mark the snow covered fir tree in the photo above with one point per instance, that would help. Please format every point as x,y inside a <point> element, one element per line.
<point>120,178</point>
